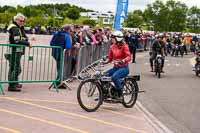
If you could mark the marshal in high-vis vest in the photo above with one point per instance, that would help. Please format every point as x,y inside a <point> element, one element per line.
<point>16,36</point>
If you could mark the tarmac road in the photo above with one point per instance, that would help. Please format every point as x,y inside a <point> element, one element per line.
<point>173,99</point>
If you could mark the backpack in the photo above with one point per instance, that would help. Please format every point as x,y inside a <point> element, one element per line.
<point>60,39</point>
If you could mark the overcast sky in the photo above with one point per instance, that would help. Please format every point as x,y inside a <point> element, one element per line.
<point>97,5</point>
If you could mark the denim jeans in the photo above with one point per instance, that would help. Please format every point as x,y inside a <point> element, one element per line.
<point>118,73</point>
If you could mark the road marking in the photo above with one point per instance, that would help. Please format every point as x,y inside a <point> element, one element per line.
<point>42,120</point>
<point>52,101</point>
<point>39,100</point>
<point>10,130</point>
<point>153,121</point>
<point>77,115</point>
<point>177,65</point>
<point>125,115</point>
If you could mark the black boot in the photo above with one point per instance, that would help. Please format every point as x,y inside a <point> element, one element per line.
<point>152,69</point>
<point>119,96</point>
<point>18,85</point>
<point>61,85</point>
<point>13,88</point>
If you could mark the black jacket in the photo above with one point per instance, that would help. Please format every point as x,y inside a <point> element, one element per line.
<point>17,36</point>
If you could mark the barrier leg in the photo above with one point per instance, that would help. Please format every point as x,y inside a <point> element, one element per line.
<point>54,85</point>
<point>2,90</point>
<point>65,82</point>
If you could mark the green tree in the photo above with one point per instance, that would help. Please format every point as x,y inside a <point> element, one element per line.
<point>20,9</point>
<point>6,18</point>
<point>166,17</point>
<point>27,11</point>
<point>177,15</point>
<point>134,19</point>
<point>73,13</point>
<point>33,21</point>
<point>89,22</point>
<point>11,10</point>
<point>194,19</point>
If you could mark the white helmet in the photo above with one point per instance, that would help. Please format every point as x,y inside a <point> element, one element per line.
<point>118,35</point>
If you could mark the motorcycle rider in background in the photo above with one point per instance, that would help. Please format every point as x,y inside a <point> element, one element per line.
<point>157,48</point>
<point>177,42</point>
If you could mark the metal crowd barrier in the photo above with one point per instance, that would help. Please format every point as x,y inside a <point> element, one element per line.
<point>38,65</point>
<point>90,54</point>
<point>144,44</point>
<point>34,64</point>
<point>77,59</point>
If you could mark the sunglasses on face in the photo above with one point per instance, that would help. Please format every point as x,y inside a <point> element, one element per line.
<point>21,21</point>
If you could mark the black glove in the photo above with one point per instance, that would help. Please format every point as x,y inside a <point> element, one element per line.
<point>104,58</point>
<point>122,62</point>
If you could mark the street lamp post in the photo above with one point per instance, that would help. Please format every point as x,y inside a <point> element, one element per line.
<point>53,15</point>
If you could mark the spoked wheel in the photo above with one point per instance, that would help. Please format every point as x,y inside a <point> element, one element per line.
<point>89,95</point>
<point>156,68</point>
<point>130,93</point>
<point>156,71</point>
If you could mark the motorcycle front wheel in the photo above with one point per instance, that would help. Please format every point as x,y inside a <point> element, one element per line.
<point>89,95</point>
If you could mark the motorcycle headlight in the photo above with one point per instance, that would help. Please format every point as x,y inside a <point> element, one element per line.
<point>97,73</point>
<point>159,60</point>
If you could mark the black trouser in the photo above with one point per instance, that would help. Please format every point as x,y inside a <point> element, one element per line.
<point>14,60</point>
<point>133,52</point>
<point>153,57</point>
<point>58,65</point>
<point>185,49</point>
<point>176,51</point>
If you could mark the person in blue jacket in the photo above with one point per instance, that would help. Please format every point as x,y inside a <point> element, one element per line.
<point>62,39</point>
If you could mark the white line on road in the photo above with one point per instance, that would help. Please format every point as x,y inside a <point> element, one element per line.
<point>153,121</point>
<point>177,65</point>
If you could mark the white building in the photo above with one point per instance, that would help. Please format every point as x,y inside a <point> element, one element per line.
<point>107,17</point>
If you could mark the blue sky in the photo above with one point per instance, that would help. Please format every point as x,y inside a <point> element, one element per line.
<point>98,5</point>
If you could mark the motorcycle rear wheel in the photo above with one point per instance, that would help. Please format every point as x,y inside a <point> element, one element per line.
<point>130,93</point>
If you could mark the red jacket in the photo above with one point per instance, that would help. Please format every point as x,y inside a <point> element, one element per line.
<point>118,53</point>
